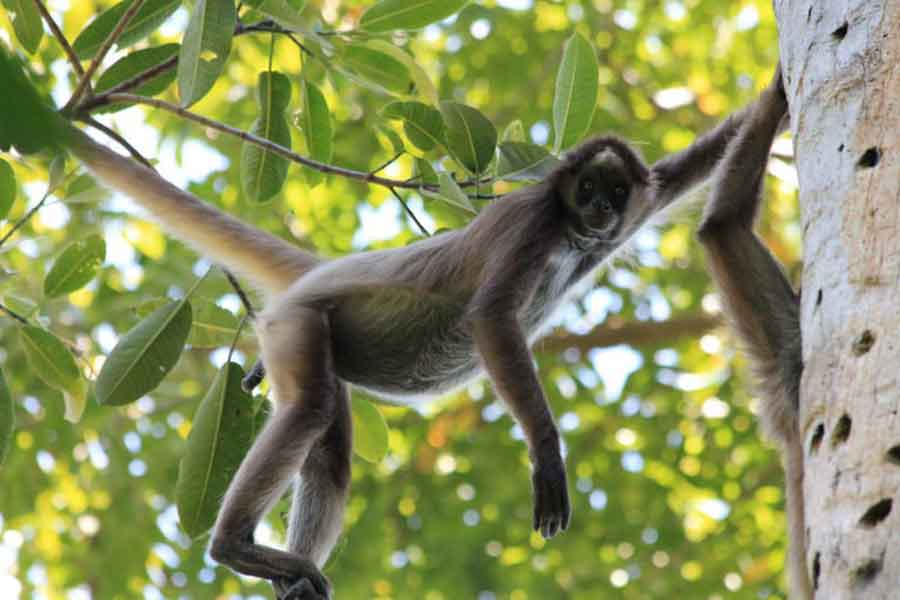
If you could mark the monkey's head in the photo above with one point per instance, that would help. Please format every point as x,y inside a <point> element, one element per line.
<point>604,189</point>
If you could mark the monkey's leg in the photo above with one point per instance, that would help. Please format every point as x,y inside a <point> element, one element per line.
<point>507,360</point>
<point>320,495</point>
<point>760,302</point>
<point>296,349</point>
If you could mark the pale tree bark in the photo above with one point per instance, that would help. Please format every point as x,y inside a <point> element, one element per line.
<point>841,60</point>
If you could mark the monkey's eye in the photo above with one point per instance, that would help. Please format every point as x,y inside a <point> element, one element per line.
<point>587,185</point>
<point>620,191</point>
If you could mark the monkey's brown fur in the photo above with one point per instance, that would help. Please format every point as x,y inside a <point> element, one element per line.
<point>406,324</point>
<point>759,301</point>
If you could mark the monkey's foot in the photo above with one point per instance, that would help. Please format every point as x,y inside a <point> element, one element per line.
<point>302,589</point>
<point>254,377</point>
<point>551,497</point>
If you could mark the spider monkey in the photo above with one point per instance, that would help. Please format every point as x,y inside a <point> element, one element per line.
<point>406,324</point>
<point>759,301</point>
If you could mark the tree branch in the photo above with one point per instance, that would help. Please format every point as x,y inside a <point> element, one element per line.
<point>60,37</point>
<point>634,333</point>
<point>101,53</point>
<point>264,143</point>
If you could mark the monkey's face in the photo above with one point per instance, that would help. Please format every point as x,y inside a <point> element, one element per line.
<point>600,195</point>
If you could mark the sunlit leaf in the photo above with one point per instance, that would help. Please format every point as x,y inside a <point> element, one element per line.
<point>221,434</point>
<point>388,15</point>
<point>471,137</point>
<point>520,161</point>
<point>576,92</point>
<point>145,355</point>
<point>263,172</point>
<point>422,124</point>
<point>205,48</point>
<point>27,24</point>
<point>148,18</point>
<point>135,63</point>
<point>7,418</point>
<point>75,267</point>
<point>370,432</point>
<point>7,188</point>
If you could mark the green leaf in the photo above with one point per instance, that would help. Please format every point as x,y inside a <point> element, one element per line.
<point>220,436</point>
<point>7,188</point>
<point>423,84</point>
<point>137,62</point>
<point>452,193</point>
<point>286,14</point>
<point>316,124</point>
<point>389,15</point>
<point>7,418</point>
<point>375,69</point>
<point>370,431</point>
<point>424,171</point>
<point>471,137</point>
<point>520,161</point>
<point>20,305</point>
<point>144,355</point>
<point>205,48</point>
<point>28,123</point>
<point>576,92</point>
<point>514,132</point>
<point>213,325</point>
<point>76,266</point>
<point>148,18</point>
<point>54,364</point>
<point>422,124</point>
<point>27,24</point>
<point>263,172</point>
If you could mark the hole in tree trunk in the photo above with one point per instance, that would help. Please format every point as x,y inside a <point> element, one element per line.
<point>877,513</point>
<point>869,158</point>
<point>841,32</point>
<point>893,455</point>
<point>816,439</point>
<point>841,431</point>
<point>816,570</point>
<point>866,573</point>
<point>863,343</point>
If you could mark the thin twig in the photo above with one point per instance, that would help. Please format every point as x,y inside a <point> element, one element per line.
<point>266,144</point>
<point>101,53</point>
<point>387,164</point>
<point>60,37</point>
<point>409,212</point>
<point>121,140</point>
<point>137,80</point>
<point>14,315</point>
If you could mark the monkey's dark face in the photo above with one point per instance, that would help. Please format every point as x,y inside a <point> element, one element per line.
<point>598,196</point>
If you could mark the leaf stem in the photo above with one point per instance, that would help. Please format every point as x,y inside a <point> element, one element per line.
<point>409,212</point>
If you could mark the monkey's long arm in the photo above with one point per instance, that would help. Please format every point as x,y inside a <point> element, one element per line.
<point>266,260</point>
<point>759,301</point>
<point>677,173</point>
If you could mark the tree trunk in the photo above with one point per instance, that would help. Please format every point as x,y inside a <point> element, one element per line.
<point>841,61</point>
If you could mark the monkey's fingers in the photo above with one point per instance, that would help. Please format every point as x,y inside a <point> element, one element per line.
<point>552,510</point>
<point>254,377</point>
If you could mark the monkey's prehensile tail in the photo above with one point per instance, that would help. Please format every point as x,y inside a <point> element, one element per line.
<point>268,261</point>
<point>27,123</point>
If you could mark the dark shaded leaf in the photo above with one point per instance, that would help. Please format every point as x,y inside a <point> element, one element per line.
<point>471,137</point>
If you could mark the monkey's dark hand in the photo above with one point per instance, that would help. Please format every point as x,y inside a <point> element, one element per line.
<point>551,496</point>
<point>302,588</point>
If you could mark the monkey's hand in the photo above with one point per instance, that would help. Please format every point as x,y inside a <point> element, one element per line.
<point>302,588</point>
<point>551,496</point>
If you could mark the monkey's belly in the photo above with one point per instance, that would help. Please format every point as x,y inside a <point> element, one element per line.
<point>410,348</point>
